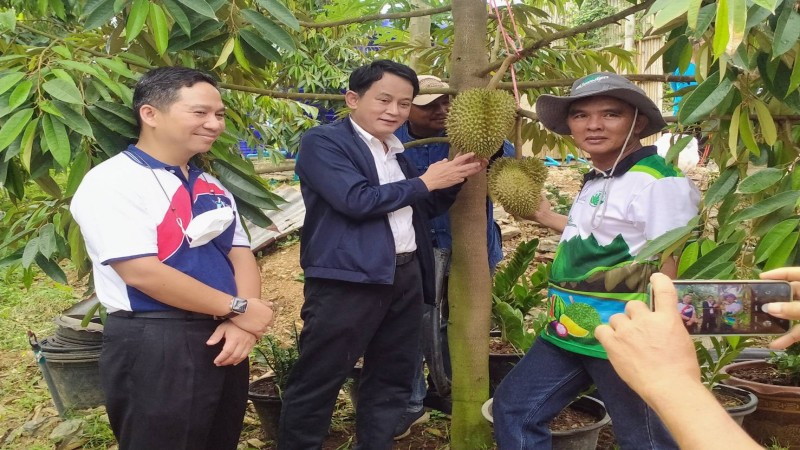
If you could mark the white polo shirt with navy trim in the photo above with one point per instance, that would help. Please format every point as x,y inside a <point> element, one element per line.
<point>133,205</point>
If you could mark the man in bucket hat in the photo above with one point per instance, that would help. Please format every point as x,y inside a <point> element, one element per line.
<point>629,197</point>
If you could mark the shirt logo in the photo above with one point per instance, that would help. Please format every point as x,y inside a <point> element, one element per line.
<point>597,199</point>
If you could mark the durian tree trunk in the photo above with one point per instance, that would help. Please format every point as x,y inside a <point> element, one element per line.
<point>420,35</point>
<point>470,284</point>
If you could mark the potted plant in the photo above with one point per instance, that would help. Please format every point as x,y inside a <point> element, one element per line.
<point>514,295</point>
<point>776,383</point>
<point>266,392</point>
<point>737,402</point>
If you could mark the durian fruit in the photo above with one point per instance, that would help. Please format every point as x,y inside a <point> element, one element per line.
<point>517,184</point>
<point>480,119</point>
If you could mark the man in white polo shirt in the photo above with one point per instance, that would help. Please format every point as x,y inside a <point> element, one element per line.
<point>173,267</point>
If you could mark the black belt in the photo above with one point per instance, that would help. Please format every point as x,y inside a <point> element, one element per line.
<point>175,315</point>
<point>404,258</point>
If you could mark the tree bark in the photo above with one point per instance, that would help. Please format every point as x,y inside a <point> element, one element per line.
<point>470,283</point>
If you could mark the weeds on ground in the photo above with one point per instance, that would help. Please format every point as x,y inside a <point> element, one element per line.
<point>561,203</point>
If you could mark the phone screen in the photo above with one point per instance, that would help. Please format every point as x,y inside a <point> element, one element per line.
<point>726,307</point>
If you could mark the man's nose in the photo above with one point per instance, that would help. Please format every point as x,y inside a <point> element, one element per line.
<point>393,108</point>
<point>594,122</point>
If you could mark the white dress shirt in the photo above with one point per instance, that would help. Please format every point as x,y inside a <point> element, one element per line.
<point>388,172</point>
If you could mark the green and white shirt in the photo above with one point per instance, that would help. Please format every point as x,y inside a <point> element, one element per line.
<point>593,274</point>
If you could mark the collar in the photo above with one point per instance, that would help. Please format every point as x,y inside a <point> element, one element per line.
<point>625,165</point>
<point>140,157</point>
<point>392,142</point>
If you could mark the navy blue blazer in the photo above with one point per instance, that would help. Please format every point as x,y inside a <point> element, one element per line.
<point>346,234</point>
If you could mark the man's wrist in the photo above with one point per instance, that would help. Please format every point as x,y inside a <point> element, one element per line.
<point>238,306</point>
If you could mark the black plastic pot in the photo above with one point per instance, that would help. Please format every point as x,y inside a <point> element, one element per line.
<point>72,373</point>
<point>748,399</point>
<point>499,366</point>
<point>268,407</point>
<point>581,438</point>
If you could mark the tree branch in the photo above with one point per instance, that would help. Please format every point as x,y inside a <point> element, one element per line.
<point>562,82</point>
<point>371,17</point>
<point>431,140</point>
<point>527,51</point>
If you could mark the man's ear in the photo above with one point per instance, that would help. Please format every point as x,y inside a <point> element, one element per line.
<point>148,114</point>
<point>641,123</point>
<point>351,99</point>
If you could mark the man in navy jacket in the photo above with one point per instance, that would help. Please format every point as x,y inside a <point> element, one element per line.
<point>367,258</point>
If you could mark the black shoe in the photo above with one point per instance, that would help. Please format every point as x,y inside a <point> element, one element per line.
<point>433,401</point>
<point>408,420</point>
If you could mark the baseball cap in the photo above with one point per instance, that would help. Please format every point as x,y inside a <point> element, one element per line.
<point>553,110</point>
<point>428,82</point>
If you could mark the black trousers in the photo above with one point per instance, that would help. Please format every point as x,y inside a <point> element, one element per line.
<point>163,390</point>
<point>343,321</point>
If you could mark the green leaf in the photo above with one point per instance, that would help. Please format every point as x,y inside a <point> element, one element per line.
<point>123,112</point>
<point>707,96</point>
<point>693,12</point>
<point>254,214</point>
<point>688,257</point>
<point>77,170</point>
<point>8,21</point>
<point>61,148</point>
<point>781,254</point>
<point>760,180</point>
<point>737,23</point>
<point>667,11</point>
<point>719,271</point>
<point>227,49</point>
<point>733,132</point>
<point>794,79</point>
<point>48,185</point>
<point>200,7</point>
<point>260,45</point>
<point>787,31</point>
<point>20,94</point>
<point>10,80</point>
<point>159,27</point>
<point>746,133</point>
<point>31,250</point>
<point>98,13</point>
<point>178,16</point>
<point>766,206</point>
<point>676,148</point>
<point>63,90</point>
<point>47,240</point>
<point>136,18</point>
<point>769,5</point>
<point>268,29</point>
<point>14,126</point>
<point>663,242</point>
<point>238,53</point>
<point>27,143</point>
<point>721,254</point>
<point>72,119</point>
<point>79,66</point>
<point>775,238</point>
<point>51,269</point>
<point>724,185</point>
<point>721,29</point>
<point>118,67</point>
<point>280,12</point>
<point>243,186</point>
<point>768,130</point>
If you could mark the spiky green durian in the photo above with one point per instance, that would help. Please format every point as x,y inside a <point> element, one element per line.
<point>480,119</point>
<point>517,184</point>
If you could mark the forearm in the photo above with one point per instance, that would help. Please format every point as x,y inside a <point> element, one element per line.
<point>247,274</point>
<point>550,219</point>
<point>669,267</point>
<point>171,286</point>
<point>695,418</point>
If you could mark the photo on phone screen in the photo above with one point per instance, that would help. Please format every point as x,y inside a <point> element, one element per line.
<point>725,307</point>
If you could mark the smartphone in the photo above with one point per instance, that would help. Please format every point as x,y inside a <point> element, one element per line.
<point>728,307</point>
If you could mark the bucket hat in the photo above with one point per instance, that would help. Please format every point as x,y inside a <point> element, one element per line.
<point>428,82</point>
<point>552,110</point>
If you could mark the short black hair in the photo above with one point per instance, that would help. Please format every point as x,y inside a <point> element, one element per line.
<point>365,76</point>
<point>159,87</point>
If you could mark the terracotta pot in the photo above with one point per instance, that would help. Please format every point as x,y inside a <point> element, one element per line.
<point>581,438</point>
<point>777,417</point>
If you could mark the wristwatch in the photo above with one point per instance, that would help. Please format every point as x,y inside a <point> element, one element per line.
<point>238,306</point>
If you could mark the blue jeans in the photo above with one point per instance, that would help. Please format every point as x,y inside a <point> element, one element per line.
<point>547,379</point>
